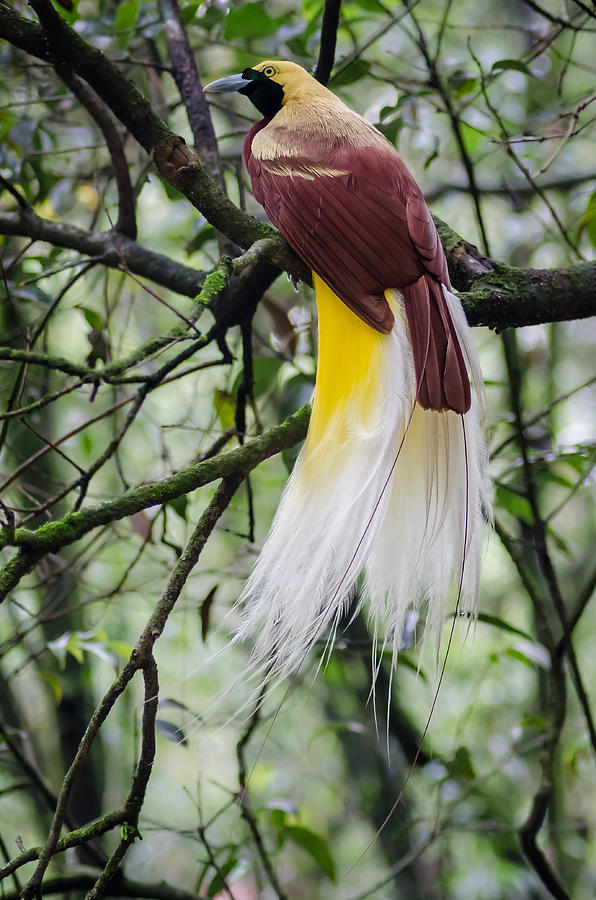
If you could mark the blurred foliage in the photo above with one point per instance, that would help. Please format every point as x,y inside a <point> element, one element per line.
<point>493,109</point>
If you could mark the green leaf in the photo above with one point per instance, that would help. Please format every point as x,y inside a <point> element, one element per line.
<point>125,19</point>
<point>298,46</point>
<point>205,611</point>
<point>515,65</point>
<point>8,120</point>
<point>188,12</point>
<point>74,648</point>
<point>53,684</point>
<point>578,459</point>
<point>496,622</point>
<point>391,128</point>
<point>535,721</point>
<point>93,318</point>
<point>560,542</point>
<point>180,505</point>
<point>404,659</point>
<point>99,648</point>
<point>121,648</point>
<point>461,765</point>
<point>520,657</point>
<point>67,10</point>
<point>354,71</point>
<point>432,155</point>
<point>515,504</point>
<point>206,233</point>
<point>58,648</point>
<point>588,220</point>
<point>249,20</point>
<point>33,292</point>
<point>212,16</point>
<point>472,137</point>
<point>171,732</point>
<point>225,408</point>
<point>531,654</point>
<point>314,845</point>
<point>264,370</point>
<point>279,811</point>
<point>462,85</point>
<point>216,885</point>
<point>386,111</point>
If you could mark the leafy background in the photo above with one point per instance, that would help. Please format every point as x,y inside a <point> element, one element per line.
<point>493,109</point>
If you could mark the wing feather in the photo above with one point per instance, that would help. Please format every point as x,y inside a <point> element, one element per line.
<point>364,231</point>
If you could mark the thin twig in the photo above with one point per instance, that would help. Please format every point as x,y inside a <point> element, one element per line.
<point>245,808</point>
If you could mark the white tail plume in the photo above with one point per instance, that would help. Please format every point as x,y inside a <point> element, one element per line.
<point>381,485</point>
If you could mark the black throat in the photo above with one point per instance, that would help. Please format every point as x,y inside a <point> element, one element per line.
<point>263,93</point>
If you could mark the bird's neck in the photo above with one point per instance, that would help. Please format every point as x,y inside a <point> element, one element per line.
<point>301,128</point>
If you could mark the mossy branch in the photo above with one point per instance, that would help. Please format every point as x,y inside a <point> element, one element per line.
<point>493,294</point>
<point>33,544</point>
<point>73,839</point>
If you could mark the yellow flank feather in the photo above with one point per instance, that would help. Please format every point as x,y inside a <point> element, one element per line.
<point>348,381</point>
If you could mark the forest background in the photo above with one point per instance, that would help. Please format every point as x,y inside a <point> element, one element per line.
<point>155,364</point>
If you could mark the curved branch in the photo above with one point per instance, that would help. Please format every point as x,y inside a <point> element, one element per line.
<point>492,293</point>
<point>501,296</point>
<point>126,223</point>
<point>32,545</point>
<point>514,190</point>
<point>126,887</point>
<point>510,298</point>
<point>76,838</point>
<point>111,248</point>
<point>188,81</point>
<point>140,658</point>
<point>57,42</point>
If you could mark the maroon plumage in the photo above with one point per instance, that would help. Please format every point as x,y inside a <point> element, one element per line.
<point>364,229</point>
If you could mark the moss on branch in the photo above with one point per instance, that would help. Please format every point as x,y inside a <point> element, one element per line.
<point>54,535</point>
<point>492,294</point>
<point>506,297</point>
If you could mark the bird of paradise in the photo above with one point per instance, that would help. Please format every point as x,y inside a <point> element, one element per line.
<point>392,479</point>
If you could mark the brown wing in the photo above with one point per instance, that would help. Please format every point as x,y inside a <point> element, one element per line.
<point>364,232</point>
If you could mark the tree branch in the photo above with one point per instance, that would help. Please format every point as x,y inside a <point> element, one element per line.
<point>515,190</point>
<point>125,887</point>
<point>493,294</point>
<point>140,658</point>
<point>328,40</point>
<point>126,223</point>
<point>108,246</point>
<point>73,839</point>
<point>57,42</point>
<point>500,297</point>
<point>188,81</point>
<point>136,796</point>
<point>54,535</point>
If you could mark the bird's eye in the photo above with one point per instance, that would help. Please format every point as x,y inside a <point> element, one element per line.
<point>269,71</point>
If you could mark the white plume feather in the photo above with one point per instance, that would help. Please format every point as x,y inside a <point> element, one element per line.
<point>389,488</point>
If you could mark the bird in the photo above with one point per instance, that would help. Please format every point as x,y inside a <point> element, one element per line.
<point>387,498</point>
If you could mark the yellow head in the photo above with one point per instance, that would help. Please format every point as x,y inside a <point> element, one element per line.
<point>271,84</point>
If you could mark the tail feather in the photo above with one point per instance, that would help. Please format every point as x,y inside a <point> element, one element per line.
<point>381,484</point>
<point>438,360</point>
